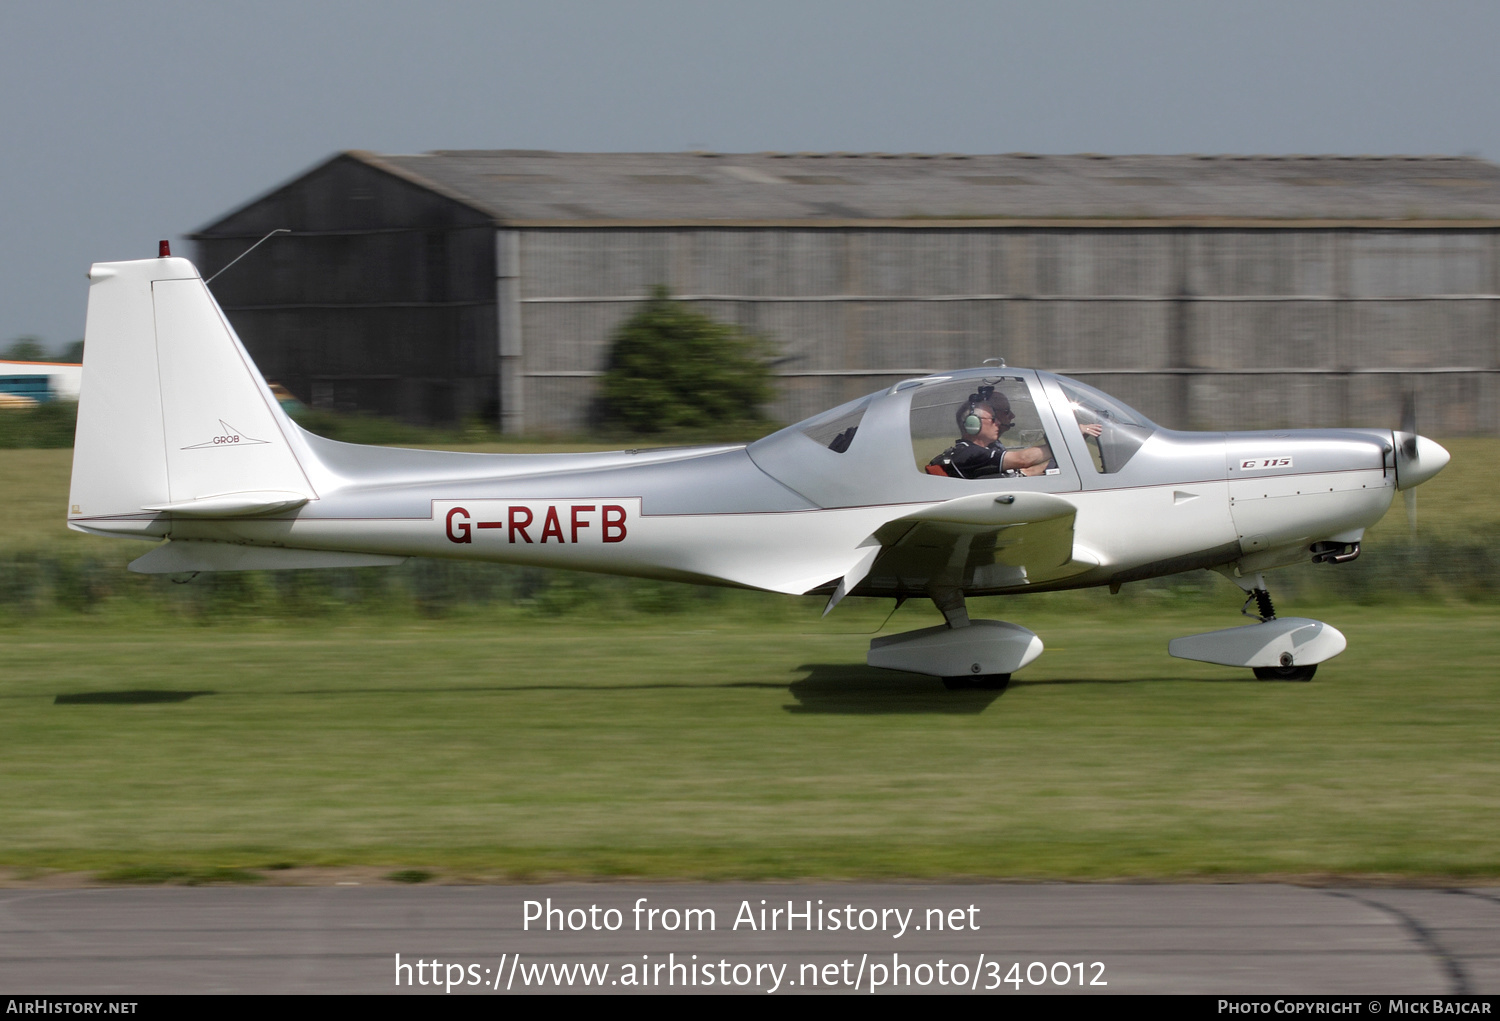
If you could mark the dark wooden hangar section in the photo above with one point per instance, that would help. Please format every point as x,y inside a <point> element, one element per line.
<point>381,300</point>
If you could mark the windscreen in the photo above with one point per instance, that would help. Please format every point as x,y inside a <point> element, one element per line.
<point>835,429</point>
<point>1112,431</point>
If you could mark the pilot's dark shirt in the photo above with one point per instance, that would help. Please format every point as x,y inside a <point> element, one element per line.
<point>969,460</point>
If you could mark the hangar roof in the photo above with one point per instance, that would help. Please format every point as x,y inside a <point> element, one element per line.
<point>545,188</point>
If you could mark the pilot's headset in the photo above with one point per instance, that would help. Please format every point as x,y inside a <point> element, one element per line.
<point>968,420</point>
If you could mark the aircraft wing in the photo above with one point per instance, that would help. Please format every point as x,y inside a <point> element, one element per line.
<point>974,543</point>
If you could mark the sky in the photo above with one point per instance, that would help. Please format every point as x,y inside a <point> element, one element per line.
<point>122,123</point>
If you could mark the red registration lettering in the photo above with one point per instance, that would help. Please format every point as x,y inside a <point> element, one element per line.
<point>614,523</point>
<point>458,526</point>
<point>520,517</point>
<point>579,524</point>
<point>552,526</point>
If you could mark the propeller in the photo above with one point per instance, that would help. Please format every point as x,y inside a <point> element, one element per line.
<point>1417,458</point>
<point>1406,449</point>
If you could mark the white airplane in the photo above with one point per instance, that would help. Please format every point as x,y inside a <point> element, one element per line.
<point>989,481</point>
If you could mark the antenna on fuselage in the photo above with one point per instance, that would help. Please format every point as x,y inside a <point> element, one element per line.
<point>999,363</point>
<point>237,258</point>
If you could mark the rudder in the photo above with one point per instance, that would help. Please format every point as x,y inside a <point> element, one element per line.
<point>172,414</point>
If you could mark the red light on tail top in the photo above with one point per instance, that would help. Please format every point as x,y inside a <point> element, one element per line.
<point>163,249</point>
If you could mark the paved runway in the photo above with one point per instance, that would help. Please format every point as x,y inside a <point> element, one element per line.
<point>1259,940</point>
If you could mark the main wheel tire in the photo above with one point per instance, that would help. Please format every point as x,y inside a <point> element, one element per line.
<point>1285,673</point>
<point>984,682</point>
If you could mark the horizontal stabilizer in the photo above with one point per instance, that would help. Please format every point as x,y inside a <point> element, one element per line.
<point>179,556</point>
<point>232,505</point>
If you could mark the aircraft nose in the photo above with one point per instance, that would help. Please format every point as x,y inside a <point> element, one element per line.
<point>1419,461</point>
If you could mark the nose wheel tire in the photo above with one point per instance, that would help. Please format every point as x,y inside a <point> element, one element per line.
<point>984,682</point>
<point>1285,673</point>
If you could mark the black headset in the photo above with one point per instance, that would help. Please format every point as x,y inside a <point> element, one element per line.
<point>968,419</point>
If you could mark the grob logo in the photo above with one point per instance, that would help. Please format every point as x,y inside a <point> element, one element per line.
<point>228,437</point>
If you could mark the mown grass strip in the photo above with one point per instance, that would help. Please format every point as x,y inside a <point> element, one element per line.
<point>736,748</point>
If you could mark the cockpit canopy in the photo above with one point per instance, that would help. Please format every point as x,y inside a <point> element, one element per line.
<point>1007,424</point>
<point>933,435</point>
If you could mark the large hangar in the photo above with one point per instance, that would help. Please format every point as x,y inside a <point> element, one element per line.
<point>1210,291</point>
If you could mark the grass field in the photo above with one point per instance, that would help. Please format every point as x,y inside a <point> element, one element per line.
<point>705,748</point>
<point>741,736</point>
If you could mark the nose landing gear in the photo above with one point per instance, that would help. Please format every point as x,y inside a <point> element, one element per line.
<point>1275,648</point>
<point>1285,673</point>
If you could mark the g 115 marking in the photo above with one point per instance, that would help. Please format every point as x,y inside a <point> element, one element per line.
<point>1260,463</point>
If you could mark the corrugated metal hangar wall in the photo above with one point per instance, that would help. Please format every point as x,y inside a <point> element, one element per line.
<point>473,284</point>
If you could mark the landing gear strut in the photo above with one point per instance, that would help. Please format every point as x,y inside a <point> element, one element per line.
<point>1261,597</point>
<point>1286,669</point>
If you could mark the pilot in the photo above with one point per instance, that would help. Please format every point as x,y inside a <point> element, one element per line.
<point>978,452</point>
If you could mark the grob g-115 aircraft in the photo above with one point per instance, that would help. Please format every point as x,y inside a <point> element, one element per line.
<point>1050,484</point>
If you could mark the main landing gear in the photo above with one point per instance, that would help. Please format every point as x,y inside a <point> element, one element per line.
<point>1275,648</point>
<point>964,653</point>
<point>1285,673</point>
<point>984,682</point>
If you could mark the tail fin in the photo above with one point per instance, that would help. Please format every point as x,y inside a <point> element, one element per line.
<point>173,415</point>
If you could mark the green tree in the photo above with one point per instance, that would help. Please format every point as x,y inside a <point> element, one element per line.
<point>671,368</point>
<point>26,349</point>
<point>72,354</point>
